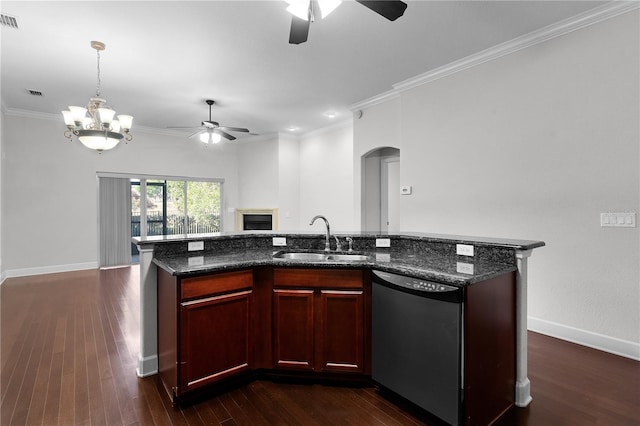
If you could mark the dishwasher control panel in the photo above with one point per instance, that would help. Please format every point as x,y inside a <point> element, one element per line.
<point>413,283</point>
<point>429,286</point>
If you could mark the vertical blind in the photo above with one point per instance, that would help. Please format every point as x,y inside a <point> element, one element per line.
<point>115,221</point>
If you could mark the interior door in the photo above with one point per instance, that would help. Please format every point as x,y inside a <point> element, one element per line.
<point>390,194</point>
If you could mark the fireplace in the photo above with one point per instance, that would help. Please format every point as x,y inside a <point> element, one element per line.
<point>256,219</point>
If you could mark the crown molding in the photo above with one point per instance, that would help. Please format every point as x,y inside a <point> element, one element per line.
<point>24,113</point>
<point>549,32</point>
<point>560,28</point>
<point>333,127</point>
<point>375,100</point>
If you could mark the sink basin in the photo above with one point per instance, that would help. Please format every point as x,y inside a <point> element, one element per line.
<point>321,257</point>
<point>302,256</point>
<point>347,257</point>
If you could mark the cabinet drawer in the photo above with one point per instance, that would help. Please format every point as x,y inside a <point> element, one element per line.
<point>217,283</point>
<point>320,278</point>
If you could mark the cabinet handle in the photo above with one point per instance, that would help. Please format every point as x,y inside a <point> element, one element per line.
<point>209,299</point>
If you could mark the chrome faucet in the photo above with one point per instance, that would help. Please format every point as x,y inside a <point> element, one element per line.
<point>338,244</point>
<point>350,241</point>
<point>327,246</point>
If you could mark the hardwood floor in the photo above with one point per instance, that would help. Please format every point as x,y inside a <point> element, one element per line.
<point>69,345</point>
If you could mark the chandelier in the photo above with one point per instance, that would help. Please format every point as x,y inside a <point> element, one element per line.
<point>95,126</point>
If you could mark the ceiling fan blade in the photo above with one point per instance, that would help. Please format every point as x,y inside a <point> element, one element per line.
<point>182,127</point>
<point>299,30</point>
<point>196,133</point>
<point>390,9</point>
<point>224,134</point>
<point>234,129</point>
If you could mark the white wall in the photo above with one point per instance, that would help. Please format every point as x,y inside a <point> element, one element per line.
<point>258,174</point>
<point>50,189</point>
<point>289,183</point>
<point>535,145</point>
<point>326,178</point>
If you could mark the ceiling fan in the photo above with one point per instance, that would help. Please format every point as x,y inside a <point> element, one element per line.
<point>211,131</point>
<point>303,12</point>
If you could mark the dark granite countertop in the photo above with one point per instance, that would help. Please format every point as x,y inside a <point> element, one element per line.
<point>423,236</point>
<point>449,269</point>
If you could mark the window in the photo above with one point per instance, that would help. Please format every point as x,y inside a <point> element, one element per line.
<point>170,207</point>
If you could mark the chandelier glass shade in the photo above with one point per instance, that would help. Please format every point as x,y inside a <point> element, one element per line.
<point>95,125</point>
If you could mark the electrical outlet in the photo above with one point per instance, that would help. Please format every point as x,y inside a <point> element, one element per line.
<point>195,245</point>
<point>464,249</point>
<point>464,268</point>
<point>196,261</point>
<point>383,242</point>
<point>279,241</point>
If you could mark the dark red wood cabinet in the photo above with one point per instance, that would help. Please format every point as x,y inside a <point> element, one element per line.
<point>204,329</point>
<point>217,326</point>
<point>319,320</point>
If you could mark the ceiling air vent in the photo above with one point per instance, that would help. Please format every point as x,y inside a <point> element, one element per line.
<point>35,92</point>
<point>8,21</point>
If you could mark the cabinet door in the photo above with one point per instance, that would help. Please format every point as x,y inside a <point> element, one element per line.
<point>293,329</point>
<point>340,331</point>
<point>215,334</point>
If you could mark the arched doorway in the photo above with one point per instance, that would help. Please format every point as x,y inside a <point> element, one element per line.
<point>381,190</point>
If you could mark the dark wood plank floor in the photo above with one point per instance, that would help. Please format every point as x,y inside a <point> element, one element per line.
<point>69,345</point>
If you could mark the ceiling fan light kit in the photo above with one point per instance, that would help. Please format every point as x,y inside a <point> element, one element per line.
<point>95,126</point>
<point>210,138</point>
<point>302,8</point>
<point>303,12</point>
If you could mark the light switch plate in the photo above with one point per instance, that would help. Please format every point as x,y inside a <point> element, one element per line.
<point>464,249</point>
<point>383,242</point>
<point>279,241</point>
<point>618,220</point>
<point>195,245</point>
<point>405,190</point>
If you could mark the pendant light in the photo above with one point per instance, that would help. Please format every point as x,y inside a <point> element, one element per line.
<point>95,126</point>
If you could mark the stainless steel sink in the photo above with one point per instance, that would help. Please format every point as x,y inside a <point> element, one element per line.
<point>321,257</point>
<point>347,257</point>
<point>301,256</point>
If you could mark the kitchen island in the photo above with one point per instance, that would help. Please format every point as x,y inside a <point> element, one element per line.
<point>423,256</point>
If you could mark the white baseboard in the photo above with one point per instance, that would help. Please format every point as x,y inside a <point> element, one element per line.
<point>147,366</point>
<point>590,339</point>
<point>40,270</point>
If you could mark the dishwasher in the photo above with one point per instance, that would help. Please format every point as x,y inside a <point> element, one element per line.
<point>417,342</point>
